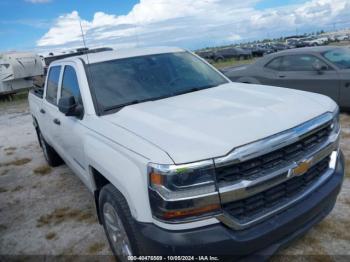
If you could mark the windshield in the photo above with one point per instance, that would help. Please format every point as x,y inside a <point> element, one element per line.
<point>121,82</point>
<point>340,57</point>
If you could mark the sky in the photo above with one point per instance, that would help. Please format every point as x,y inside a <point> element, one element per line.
<point>54,25</point>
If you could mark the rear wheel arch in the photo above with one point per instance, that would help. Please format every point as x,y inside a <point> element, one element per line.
<point>219,59</point>
<point>35,122</point>
<point>37,129</point>
<point>51,156</point>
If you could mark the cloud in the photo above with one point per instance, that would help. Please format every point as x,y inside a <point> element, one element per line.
<point>66,30</point>
<point>191,23</point>
<point>38,1</point>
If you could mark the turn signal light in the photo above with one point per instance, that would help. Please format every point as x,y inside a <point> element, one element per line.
<point>156,178</point>
<point>190,212</point>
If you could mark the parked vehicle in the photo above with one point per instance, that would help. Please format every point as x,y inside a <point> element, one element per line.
<point>314,41</point>
<point>342,37</point>
<point>331,38</point>
<point>17,71</point>
<point>296,43</point>
<point>183,161</point>
<point>278,47</point>
<point>324,70</point>
<point>261,50</point>
<point>206,54</point>
<point>232,52</point>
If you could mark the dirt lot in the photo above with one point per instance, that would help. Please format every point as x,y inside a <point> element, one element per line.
<point>45,211</point>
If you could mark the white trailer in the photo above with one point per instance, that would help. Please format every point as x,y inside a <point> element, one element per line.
<point>17,71</point>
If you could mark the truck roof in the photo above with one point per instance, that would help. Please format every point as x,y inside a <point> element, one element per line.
<point>119,54</point>
<point>311,49</point>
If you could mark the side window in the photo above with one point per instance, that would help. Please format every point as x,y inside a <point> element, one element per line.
<point>52,84</point>
<point>275,64</point>
<point>301,63</point>
<point>70,85</point>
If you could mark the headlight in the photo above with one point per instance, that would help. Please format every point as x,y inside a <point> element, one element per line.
<point>336,122</point>
<point>334,135</point>
<point>183,192</point>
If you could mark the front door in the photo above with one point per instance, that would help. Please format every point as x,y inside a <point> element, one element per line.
<point>298,72</point>
<point>344,97</point>
<point>49,107</point>
<point>71,128</point>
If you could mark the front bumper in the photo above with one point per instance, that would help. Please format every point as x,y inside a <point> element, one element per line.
<point>263,239</point>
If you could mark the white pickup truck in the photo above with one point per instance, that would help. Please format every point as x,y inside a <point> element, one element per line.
<point>183,161</point>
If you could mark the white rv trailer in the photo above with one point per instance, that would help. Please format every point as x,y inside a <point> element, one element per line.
<point>17,70</point>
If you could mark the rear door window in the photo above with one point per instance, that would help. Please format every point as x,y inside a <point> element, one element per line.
<point>52,84</point>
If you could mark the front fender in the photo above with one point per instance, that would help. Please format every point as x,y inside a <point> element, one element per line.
<point>126,170</point>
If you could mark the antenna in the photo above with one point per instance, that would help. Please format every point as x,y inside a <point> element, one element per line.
<point>84,42</point>
<point>88,72</point>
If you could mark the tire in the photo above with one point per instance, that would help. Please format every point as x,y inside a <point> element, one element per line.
<point>52,158</point>
<point>219,60</point>
<point>109,198</point>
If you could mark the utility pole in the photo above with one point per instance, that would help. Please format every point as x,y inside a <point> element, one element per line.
<point>334,27</point>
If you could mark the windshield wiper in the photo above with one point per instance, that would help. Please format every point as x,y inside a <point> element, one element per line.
<point>137,101</point>
<point>186,91</point>
<point>133,102</point>
<point>193,90</point>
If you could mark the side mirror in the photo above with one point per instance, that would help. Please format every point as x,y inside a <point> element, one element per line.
<point>69,107</point>
<point>319,67</point>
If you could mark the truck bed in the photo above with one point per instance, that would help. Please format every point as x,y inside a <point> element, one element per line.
<point>37,91</point>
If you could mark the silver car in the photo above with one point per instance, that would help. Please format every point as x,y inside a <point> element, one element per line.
<point>324,70</point>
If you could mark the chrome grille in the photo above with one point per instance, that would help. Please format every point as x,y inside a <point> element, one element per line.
<point>250,208</point>
<point>260,179</point>
<point>260,166</point>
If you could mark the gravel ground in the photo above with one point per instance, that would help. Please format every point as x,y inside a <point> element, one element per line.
<point>45,211</point>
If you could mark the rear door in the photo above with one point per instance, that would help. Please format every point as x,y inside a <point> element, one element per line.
<point>49,107</point>
<point>297,72</point>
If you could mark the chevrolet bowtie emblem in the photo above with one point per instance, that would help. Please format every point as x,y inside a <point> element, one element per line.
<point>301,169</point>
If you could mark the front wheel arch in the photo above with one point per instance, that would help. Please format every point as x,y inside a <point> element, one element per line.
<point>110,194</point>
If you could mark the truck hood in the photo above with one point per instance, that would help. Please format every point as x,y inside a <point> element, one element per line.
<point>212,122</point>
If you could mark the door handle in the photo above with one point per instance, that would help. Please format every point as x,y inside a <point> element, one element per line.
<point>57,121</point>
<point>42,111</point>
<point>281,76</point>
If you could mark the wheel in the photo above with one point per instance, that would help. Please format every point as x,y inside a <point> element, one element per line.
<point>52,158</point>
<point>219,60</point>
<point>118,223</point>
